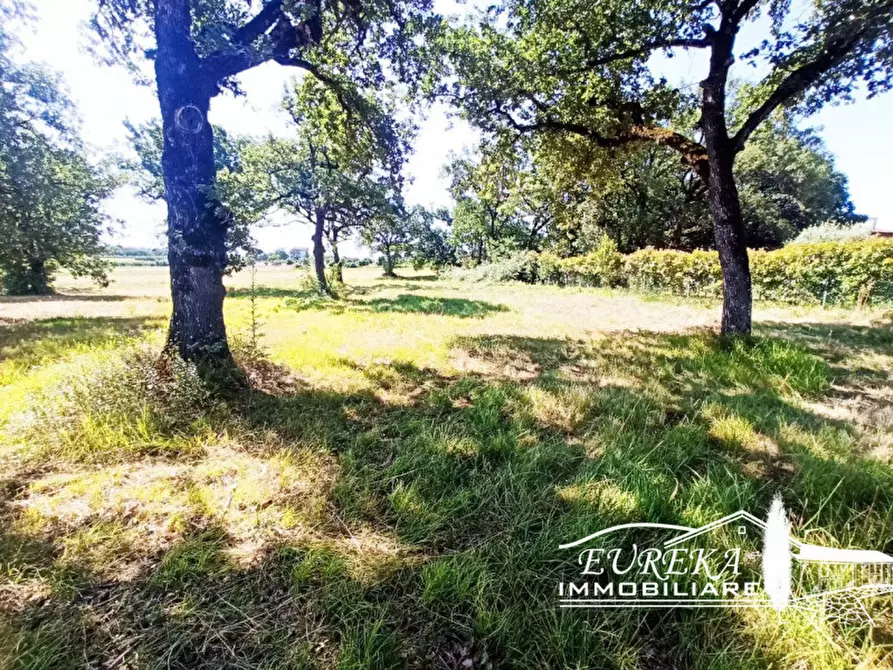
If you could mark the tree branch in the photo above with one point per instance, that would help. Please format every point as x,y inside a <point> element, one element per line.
<point>693,153</point>
<point>244,54</point>
<point>796,82</point>
<point>260,24</point>
<point>638,51</point>
<point>336,85</point>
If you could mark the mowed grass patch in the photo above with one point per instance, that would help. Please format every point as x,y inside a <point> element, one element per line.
<point>393,489</point>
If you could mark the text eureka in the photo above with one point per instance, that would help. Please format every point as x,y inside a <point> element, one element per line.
<point>656,572</point>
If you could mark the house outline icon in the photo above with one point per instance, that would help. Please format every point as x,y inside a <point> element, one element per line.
<point>875,567</point>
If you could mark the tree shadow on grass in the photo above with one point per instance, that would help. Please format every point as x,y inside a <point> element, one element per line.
<point>270,292</point>
<point>437,540</point>
<point>402,304</point>
<point>67,297</point>
<point>421,304</point>
<point>390,286</point>
<point>833,341</point>
<point>419,278</point>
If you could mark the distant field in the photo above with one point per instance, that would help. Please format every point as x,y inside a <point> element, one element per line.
<point>145,291</point>
<point>392,491</point>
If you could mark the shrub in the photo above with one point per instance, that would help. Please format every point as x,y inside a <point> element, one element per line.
<point>833,232</point>
<point>666,270</point>
<point>106,404</point>
<point>856,272</point>
<point>602,267</point>
<point>826,272</point>
<point>850,273</point>
<point>517,266</point>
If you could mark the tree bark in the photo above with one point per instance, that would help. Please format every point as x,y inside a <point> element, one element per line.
<point>38,277</point>
<point>196,224</point>
<point>319,252</point>
<point>728,228</point>
<point>388,262</point>
<point>725,205</point>
<point>336,259</point>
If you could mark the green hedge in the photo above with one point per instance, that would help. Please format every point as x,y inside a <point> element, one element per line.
<point>827,272</point>
<point>678,272</point>
<point>852,272</point>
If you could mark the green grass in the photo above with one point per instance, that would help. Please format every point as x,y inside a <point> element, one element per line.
<point>392,491</point>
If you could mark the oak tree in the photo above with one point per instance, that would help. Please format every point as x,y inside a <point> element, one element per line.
<point>198,48</point>
<point>582,69</point>
<point>335,174</point>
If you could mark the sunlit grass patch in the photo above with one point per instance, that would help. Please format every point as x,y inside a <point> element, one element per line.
<point>565,406</point>
<point>115,402</point>
<point>614,503</point>
<point>151,506</point>
<point>393,490</point>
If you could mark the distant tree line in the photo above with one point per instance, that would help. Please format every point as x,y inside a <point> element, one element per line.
<point>516,197</point>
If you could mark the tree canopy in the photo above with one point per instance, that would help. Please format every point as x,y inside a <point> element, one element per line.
<point>50,193</point>
<point>562,68</point>
<point>338,172</point>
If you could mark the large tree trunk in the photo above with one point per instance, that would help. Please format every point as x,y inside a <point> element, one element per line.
<point>319,252</point>
<point>388,262</point>
<point>196,224</point>
<point>38,277</point>
<point>728,227</point>
<point>725,206</point>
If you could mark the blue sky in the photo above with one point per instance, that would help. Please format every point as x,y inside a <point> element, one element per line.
<point>858,134</point>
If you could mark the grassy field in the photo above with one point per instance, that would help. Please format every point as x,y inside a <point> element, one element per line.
<point>393,489</point>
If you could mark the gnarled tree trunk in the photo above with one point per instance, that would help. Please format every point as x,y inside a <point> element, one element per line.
<point>319,252</point>
<point>336,259</point>
<point>196,224</point>
<point>725,205</point>
<point>728,227</point>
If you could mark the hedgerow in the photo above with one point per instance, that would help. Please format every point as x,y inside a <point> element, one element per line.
<point>848,272</point>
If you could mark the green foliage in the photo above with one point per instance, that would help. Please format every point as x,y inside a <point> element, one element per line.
<point>561,68</point>
<point>827,272</point>
<point>431,245</point>
<point>832,231</point>
<point>340,171</point>
<point>504,202</point>
<point>117,403</point>
<point>518,266</point>
<point>645,196</point>
<point>847,273</point>
<point>369,44</point>
<point>50,193</point>
<point>389,233</point>
<point>602,267</point>
<point>678,272</point>
<point>787,182</point>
